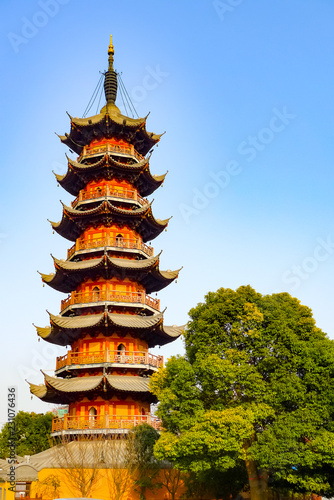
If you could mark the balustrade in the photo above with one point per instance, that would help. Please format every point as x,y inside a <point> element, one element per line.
<point>102,422</point>
<point>110,295</point>
<point>109,191</point>
<point>135,357</point>
<point>130,244</point>
<point>109,148</point>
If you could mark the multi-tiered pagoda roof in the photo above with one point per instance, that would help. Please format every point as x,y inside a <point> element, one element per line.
<point>108,319</point>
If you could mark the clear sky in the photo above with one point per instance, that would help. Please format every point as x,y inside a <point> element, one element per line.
<point>244,90</point>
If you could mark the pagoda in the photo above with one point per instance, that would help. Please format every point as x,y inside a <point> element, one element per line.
<point>108,319</point>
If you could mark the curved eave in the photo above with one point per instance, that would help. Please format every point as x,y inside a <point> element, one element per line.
<point>70,274</point>
<point>58,390</point>
<point>78,174</point>
<point>110,124</point>
<point>65,330</point>
<point>62,391</point>
<point>45,393</point>
<point>73,221</point>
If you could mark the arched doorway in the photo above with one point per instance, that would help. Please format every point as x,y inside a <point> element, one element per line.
<point>96,293</point>
<point>121,353</point>
<point>121,349</point>
<point>119,239</point>
<point>92,416</point>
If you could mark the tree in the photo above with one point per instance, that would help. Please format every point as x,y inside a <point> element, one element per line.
<point>81,463</point>
<point>48,487</point>
<point>254,392</point>
<point>172,479</point>
<point>143,465</point>
<point>32,433</point>
<point>118,458</point>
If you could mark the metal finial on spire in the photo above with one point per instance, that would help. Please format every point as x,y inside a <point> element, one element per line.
<point>110,79</point>
<point>111,55</point>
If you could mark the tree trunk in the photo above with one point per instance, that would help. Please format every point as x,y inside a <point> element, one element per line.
<point>258,481</point>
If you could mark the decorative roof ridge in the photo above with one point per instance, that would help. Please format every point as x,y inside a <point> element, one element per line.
<point>117,261</point>
<point>91,378</point>
<point>99,317</point>
<point>48,378</point>
<point>115,115</point>
<point>106,203</point>
<point>77,164</point>
<point>158,315</point>
<point>107,157</point>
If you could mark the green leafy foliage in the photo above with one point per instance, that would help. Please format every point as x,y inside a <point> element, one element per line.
<point>145,468</point>
<point>32,434</point>
<point>254,391</point>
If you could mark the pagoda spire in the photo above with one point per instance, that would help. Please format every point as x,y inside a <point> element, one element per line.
<point>111,53</point>
<point>110,77</point>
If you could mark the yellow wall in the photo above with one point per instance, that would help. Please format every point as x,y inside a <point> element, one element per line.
<point>9,495</point>
<point>102,490</point>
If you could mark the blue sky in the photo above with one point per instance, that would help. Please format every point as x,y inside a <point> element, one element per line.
<point>244,91</point>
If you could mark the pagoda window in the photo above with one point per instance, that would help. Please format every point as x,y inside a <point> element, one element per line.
<point>119,238</point>
<point>96,293</point>
<point>121,349</point>
<point>92,414</point>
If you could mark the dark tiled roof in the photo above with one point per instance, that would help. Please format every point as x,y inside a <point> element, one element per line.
<point>69,274</point>
<point>74,221</point>
<point>110,123</point>
<point>65,330</point>
<point>138,174</point>
<point>60,390</point>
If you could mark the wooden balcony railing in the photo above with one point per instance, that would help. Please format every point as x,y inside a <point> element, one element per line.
<point>109,191</point>
<point>102,422</point>
<point>131,358</point>
<point>110,242</point>
<point>110,295</point>
<point>109,148</point>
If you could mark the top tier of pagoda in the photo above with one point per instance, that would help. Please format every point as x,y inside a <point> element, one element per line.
<point>108,319</point>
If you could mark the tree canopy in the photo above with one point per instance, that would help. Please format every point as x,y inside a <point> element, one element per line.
<point>253,393</point>
<point>32,434</point>
<point>144,466</point>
